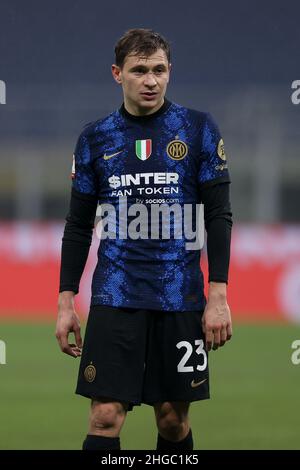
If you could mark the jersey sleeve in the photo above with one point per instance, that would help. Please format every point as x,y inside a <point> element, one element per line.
<point>213,166</point>
<point>84,178</point>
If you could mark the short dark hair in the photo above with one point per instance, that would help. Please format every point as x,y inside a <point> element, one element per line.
<point>140,41</point>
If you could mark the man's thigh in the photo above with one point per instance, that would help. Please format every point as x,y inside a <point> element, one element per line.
<point>177,363</point>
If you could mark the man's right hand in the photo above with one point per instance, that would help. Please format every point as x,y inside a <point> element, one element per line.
<point>67,322</point>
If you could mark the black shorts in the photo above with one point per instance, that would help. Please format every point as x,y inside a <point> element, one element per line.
<point>143,356</point>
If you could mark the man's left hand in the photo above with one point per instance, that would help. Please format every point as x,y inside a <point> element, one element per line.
<point>216,320</point>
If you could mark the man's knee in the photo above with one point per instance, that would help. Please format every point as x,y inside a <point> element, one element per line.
<point>172,419</point>
<point>106,417</point>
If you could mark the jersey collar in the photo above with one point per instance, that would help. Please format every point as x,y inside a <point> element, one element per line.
<point>148,117</point>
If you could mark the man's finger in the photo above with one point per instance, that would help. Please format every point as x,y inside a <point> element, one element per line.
<point>229,331</point>
<point>64,345</point>
<point>58,337</point>
<point>70,351</point>
<point>223,336</point>
<point>216,339</point>
<point>78,338</point>
<point>75,349</point>
<point>208,339</point>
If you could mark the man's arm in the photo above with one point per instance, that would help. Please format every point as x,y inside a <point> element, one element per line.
<point>216,321</point>
<point>75,248</point>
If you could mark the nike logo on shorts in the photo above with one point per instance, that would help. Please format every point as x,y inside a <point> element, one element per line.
<point>196,384</point>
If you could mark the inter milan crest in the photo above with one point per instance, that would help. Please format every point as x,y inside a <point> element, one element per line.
<point>90,373</point>
<point>143,148</point>
<point>177,149</point>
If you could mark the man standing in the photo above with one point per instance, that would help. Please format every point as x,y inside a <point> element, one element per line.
<point>149,327</point>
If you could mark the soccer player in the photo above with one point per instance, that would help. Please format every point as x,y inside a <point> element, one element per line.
<point>150,327</point>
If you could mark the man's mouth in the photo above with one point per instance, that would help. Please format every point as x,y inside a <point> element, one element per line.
<point>149,94</point>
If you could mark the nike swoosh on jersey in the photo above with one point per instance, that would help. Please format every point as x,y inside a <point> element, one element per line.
<point>107,157</point>
<point>196,384</point>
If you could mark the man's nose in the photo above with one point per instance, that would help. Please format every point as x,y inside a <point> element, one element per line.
<point>150,79</point>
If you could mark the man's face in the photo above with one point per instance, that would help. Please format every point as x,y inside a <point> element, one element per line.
<point>144,81</point>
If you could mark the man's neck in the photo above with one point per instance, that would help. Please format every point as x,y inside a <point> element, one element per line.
<point>137,111</point>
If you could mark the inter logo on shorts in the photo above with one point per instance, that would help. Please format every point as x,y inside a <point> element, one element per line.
<point>90,373</point>
<point>143,148</point>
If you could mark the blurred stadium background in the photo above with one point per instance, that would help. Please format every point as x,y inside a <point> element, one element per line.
<point>234,59</point>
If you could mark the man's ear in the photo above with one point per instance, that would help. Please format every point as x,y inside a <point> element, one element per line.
<point>116,73</point>
<point>169,70</point>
